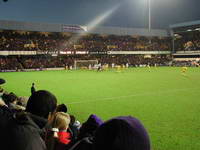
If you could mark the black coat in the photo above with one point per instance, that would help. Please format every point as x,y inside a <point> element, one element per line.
<point>5,116</point>
<point>39,121</point>
<point>23,134</point>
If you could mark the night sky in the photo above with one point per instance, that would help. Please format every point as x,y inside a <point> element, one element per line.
<point>129,13</point>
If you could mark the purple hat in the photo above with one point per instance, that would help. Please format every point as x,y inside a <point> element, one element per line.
<point>89,127</point>
<point>122,133</point>
<point>94,119</point>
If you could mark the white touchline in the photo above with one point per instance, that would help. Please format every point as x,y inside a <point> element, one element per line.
<point>133,95</point>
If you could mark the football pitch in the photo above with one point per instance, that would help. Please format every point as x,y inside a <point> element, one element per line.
<point>166,101</point>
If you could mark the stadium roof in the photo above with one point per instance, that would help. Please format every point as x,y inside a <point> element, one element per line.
<point>186,27</point>
<point>185,24</point>
<point>48,27</point>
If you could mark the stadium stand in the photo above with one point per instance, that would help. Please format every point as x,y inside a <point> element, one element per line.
<point>37,46</point>
<point>21,50</point>
<point>186,43</point>
<point>37,41</point>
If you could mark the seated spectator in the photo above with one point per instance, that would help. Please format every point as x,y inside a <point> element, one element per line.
<point>25,132</point>
<point>89,127</point>
<point>41,105</point>
<point>21,126</point>
<point>58,136</point>
<point>23,101</point>
<point>86,134</point>
<point>75,122</point>
<point>5,116</point>
<point>2,81</point>
<point>61,108</point>
<point>74,127</point>
<point>24,127</point>
<point>122,133</point>
<point>11,101</point>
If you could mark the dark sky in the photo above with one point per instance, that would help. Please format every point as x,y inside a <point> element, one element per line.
<point>130,13</point>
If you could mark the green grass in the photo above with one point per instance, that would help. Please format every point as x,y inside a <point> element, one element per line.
<point>167,103</point>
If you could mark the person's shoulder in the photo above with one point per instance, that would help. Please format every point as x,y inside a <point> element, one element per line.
<point>23,128</point>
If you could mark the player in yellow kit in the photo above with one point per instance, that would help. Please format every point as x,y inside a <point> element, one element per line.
<point>184,70</point>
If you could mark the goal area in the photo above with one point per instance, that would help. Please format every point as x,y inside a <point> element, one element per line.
<point>85,64</point>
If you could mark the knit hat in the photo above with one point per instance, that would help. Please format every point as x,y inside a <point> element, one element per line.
<point>122,133</point>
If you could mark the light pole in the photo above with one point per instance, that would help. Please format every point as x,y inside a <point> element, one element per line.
<point>149,8</point>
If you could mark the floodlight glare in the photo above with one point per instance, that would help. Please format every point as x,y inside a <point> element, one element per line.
<point>101,18</point>
<point>93,24</point>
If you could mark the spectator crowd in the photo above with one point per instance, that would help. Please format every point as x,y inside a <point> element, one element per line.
<point>46,41</point>
<point>187,41</point>
<point>20,63</point>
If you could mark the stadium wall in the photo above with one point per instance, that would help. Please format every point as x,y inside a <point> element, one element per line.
<point>47,27</point>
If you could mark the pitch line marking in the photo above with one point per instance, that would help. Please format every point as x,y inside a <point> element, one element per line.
<point>134,95</point>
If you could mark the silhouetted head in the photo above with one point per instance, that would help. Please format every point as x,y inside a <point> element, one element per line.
<point>9,98</point>
<point>41,103</point>
<point>61,108</point>
<point>2,81</point>
<point>89,127</point>
<point>122,133</point>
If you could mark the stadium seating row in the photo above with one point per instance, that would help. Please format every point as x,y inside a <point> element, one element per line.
<point>29,41</point>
